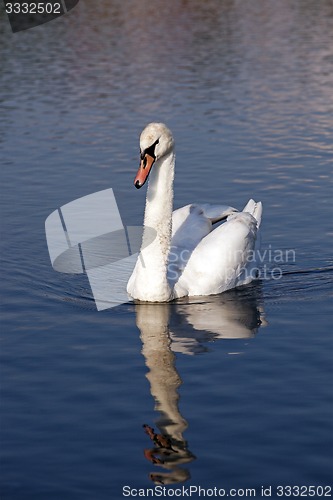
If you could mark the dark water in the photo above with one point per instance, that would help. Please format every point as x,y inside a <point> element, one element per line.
<point>241,382</point>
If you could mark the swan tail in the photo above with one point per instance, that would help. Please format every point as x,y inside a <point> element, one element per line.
<point>255,209</point>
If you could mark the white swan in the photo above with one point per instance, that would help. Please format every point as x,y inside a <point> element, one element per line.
<point>186,256</point>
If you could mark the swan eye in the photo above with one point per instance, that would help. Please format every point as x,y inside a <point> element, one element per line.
<point>150,151</point>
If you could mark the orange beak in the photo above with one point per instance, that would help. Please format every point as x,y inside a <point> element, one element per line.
<point>144,169</point>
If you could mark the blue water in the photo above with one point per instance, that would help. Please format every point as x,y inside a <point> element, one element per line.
<point>242,382</point>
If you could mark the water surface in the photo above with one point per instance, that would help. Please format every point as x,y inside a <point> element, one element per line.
<point>241,382</point>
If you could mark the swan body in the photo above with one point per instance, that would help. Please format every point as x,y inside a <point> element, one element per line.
<point>187,256</point>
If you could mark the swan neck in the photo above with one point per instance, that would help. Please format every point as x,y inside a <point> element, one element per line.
<point>157,231</point>
<point>159,202</point>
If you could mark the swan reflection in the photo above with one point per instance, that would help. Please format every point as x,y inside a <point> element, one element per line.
<point>186,326</point>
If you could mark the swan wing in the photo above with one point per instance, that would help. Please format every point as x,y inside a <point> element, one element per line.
<point>223,259</point>
<point>193,222</point>
<point>190,224</point>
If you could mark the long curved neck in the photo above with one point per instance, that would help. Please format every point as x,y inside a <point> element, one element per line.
<point>153,259</point>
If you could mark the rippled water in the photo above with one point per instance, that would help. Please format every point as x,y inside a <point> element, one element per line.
<point>242,382</point>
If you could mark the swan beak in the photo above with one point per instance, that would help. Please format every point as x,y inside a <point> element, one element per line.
<point>145,166</point>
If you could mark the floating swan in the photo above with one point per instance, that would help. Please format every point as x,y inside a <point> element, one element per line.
<point>187,256</point>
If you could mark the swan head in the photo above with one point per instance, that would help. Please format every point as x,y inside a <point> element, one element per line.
<point>156,141</point>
